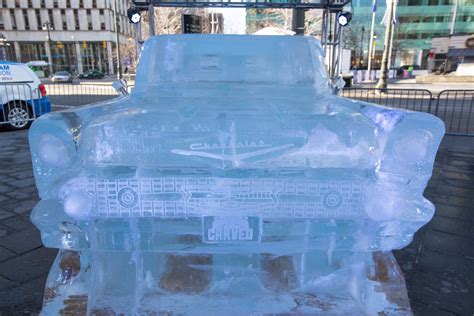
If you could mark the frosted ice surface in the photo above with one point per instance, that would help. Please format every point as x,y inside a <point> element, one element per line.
<point>229,181</point>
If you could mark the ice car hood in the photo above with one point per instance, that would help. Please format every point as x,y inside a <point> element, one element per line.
<point>278,133</point>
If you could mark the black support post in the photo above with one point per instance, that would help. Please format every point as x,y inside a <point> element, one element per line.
<point>298,21</point>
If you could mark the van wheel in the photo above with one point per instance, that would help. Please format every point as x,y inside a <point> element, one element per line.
<point>17,116</point>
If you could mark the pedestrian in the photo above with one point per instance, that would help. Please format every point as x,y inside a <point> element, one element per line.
<point>410,71</point>
<point>431,61</point>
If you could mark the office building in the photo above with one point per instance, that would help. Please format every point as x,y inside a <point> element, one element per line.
<point>72,35</point>
<point>418,21</point>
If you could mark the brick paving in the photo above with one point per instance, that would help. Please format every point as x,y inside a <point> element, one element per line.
<point>438,264</point>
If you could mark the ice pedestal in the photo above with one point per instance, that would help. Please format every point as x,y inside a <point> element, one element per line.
<point>230,182</point>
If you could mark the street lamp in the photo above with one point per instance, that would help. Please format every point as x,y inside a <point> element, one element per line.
<point>3,44</point>
<point>47,27</point>
<point>361,47</point>
<point>117,41</point>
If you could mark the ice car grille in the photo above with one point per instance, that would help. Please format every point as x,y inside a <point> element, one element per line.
<point>192,197</point>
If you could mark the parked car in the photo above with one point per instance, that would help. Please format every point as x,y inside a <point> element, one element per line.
<point>62,76</point>
<point>92,74</point>
<point>22,96</point>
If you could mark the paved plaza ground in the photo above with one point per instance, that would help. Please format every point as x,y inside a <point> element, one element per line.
<point>438,264</point>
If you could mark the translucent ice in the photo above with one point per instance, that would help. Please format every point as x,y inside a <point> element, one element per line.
<point>230,182</point>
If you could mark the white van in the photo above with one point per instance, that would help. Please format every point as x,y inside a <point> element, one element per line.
<point>22,96</point>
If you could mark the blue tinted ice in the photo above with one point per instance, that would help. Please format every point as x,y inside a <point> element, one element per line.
<point>230,182</point>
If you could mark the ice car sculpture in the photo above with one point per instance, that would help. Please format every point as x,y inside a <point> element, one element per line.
<point>230,182</point>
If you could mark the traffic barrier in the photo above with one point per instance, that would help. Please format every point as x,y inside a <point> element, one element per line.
<point>454,107</point>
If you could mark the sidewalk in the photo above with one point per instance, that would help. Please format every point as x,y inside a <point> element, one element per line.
<point>438,264</point>
<point>24,262</point>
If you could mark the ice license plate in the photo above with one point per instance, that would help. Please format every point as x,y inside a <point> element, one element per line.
<point>225,229</point>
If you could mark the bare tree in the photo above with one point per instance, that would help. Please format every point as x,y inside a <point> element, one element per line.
<point>313,22</point>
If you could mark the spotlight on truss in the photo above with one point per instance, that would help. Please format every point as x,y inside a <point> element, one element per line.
<point>134,15</point>
<point>343,18</point>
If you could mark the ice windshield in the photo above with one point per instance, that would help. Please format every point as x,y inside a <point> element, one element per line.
<point>266,60</point>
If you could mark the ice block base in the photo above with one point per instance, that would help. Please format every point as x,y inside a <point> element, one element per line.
<point>194,285</point>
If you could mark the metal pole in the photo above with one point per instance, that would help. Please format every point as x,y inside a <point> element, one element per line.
<point>298,21</point>
<point>361,56</point>
<point>390,46</point>
<point>137,39</point>
<point>117,41</point>
<point>151,14</point>
<point>371,42</point>
<point>455,12</point>
<point>334,53</point>
<point>3,43</point>
<point>47,25</point>
<point>382,83</point>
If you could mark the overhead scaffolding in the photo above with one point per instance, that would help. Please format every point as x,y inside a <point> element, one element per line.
<point>330,33</point>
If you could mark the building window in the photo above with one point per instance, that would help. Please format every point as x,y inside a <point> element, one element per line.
<point>2,25</point>
<point>55,4</point>
<point>402,19</point>
<point>76,20</point>
<point>33,51</point>
<point>39,23</point>
<point>63,19</point>
<point>25,18</point>
<point>94,56</point>
<point>89,19</point>
<point>102,19</point>
<point>64,57</point>
<point>425,35</point>
<point>50,19</point>
<point>13,19</point>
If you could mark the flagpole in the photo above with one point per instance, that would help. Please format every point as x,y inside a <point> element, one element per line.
<point>453,20</point>
<point>371,42</point>
<point>382,83</point>
<point>390,48</point>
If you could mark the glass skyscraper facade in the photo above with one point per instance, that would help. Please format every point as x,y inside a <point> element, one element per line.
<point>418,21</point>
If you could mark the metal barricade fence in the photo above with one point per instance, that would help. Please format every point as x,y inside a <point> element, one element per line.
<point>409,99</point>
<point>76,94</point>
<point>455,108</point>
<point>19,104</point>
